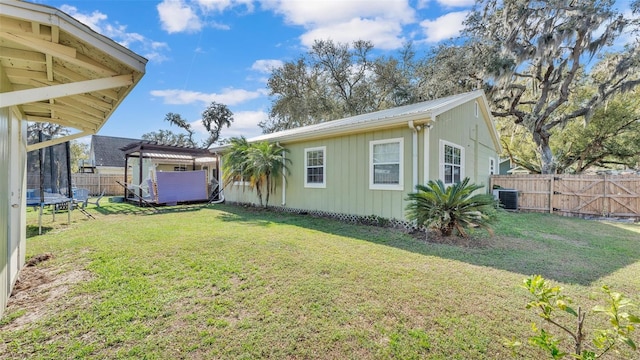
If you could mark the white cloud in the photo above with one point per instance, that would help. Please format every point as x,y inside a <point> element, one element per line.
<point>222,5</point>
<point>176,16</point>
<point>245,123</point>
<point>318,13</point>
<point>97,21</point>
<point>384,34</point>
<point>456,3</point>
<point>378,20</point>
<point>444,27</point>
<point>229,96</point>
<point>266,66</point>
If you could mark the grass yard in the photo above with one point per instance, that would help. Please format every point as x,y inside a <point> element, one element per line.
<point>208,282</point>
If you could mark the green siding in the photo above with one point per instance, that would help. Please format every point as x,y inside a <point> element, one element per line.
<point>461,127</point>
<point>347,167</point>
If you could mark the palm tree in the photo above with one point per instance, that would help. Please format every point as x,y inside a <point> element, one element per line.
<point>258,163</point>
<point>265,162</point>
<point>447,208</point>
<point>234,167</point>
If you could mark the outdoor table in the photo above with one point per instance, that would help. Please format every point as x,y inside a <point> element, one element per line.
<point>51,199</point>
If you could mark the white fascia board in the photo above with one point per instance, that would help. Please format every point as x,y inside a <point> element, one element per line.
<point>20,97</point>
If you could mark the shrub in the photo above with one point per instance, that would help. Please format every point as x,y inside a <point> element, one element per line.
<point>444,209</point>
<point>549,301</point>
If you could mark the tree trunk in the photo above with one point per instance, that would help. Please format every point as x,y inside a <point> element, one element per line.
<point>548,165</point>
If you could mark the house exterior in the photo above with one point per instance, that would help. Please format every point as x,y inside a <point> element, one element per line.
<point>367,164</point>
<point>105,156</point>
<point>53,69</point>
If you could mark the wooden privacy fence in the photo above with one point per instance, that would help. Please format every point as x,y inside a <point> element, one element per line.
<point>575,195</point>
<point>95,183</point>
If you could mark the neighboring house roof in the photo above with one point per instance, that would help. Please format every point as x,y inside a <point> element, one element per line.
<point>422,113</point>
<point>60,71</point>
<point>105,150</point>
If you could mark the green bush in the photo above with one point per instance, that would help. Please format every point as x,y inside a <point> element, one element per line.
<point>549,301</point>
<point>455,207</point>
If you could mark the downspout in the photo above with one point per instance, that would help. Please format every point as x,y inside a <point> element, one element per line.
<point>414,140</point>
<point>427,152</point>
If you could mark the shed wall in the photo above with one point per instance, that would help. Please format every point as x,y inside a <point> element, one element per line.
<point>12,198</point>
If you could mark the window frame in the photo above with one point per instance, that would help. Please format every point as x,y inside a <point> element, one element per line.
<point>323,184</point>
<point>372,184</point>
<point>443,144</point>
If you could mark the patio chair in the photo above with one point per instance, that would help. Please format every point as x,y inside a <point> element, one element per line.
<point>96,202</point>
<point>80,200</point>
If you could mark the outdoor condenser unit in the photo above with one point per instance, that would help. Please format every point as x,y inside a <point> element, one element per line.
<point>508,198</point>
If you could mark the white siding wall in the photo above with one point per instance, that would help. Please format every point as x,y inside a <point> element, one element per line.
<point>12,200</point>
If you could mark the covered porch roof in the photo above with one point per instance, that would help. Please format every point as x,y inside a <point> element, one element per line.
<point>55,69</point>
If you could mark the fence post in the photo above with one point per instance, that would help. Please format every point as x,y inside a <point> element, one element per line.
<point>551,190</point>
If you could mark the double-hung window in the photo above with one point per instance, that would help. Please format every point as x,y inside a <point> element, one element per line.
<point>451,162</point>
<point>386,164</point>
<point>315,167</point>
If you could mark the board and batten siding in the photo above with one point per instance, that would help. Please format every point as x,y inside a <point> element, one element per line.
<point>347,158</point>
<point>347,178</point>
<point>461,127</point>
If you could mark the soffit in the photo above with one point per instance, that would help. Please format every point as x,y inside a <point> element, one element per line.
<point>60,71</point>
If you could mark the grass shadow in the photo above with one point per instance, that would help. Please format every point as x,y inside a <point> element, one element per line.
<point>568,250</point>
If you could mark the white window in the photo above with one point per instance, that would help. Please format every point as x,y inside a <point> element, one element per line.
<point>451,162</point>
<point>315,167</point>
<point>386,164</point>
<point>476,109</point>
<point>180,168</point>
<point>492,166</point>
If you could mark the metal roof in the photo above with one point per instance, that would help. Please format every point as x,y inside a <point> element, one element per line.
<point>421,113</point>
<point>60,71</point>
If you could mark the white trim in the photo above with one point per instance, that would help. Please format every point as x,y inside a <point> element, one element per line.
<point>442,163</point>
<point>284,178</point>
<point>400,185</point>
<point>323,184</point>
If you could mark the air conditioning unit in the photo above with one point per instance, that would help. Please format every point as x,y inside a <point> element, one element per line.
<point>508,198</point>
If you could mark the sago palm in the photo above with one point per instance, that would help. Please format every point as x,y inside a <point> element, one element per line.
<point>435,206</point>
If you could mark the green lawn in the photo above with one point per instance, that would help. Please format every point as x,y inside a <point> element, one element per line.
<point>207,282</point>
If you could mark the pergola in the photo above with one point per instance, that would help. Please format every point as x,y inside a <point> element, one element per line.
<point>151,150</point>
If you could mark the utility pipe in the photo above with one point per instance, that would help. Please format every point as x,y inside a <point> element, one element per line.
<point>414,141</point>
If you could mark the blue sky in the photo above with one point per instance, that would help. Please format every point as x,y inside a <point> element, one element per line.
<point>223,50</point>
